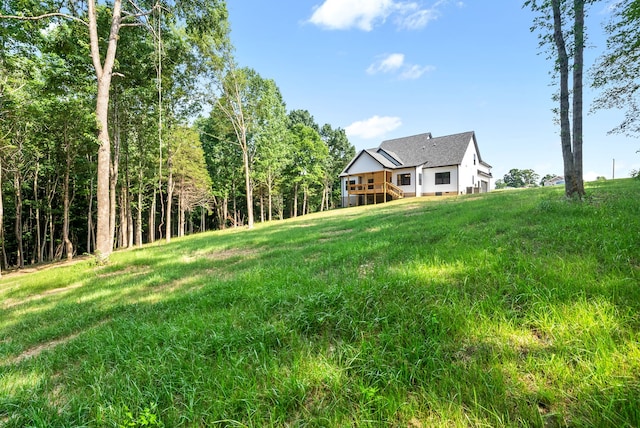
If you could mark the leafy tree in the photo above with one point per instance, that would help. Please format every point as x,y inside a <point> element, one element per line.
<point>617,72</point>
<point>520,178</point>
<point>193,183</point>
<point>205,18</point>
<point>567,43</point>
<point>307,169</point>
<point>272,145</point>
<point>341,151</point>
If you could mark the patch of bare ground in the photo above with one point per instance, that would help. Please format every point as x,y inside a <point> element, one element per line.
<point>39,349</point>
<point>129,270</point>
<point>10,303</point>
<point>44,266</point>
<point>226,254</point>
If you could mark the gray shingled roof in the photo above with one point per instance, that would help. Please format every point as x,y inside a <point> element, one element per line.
<point>430,151</point>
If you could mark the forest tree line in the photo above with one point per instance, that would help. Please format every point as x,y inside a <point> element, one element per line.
<point>173,170</point>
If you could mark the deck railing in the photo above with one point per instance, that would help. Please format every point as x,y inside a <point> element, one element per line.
<point>376,189</point>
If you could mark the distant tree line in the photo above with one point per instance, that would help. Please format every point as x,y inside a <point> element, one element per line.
<point>166,174</point>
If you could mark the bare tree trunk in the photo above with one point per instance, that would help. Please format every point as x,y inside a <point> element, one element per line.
<point>17,184</point>
<point>247,182</point>
<point>138,238</point>
<point>578,68</point>
<point>68,246</point>
<point>37,203</point>
<point>181,209</point>
<point>270,195</point>
<point>4,255</point>
<point>571,150</point>
<point>170,187</point>
<point>152,218</point>
<point>104,235</point>
<point>225,212</point>
<point>305,200</point>
<point>90,218</point>
<point>123,236</point>
<point>295,200</point>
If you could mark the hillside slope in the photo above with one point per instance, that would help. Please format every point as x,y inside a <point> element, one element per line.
<point>505,309</point>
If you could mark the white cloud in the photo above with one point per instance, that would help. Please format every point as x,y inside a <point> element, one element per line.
<point>395,63</point>
<point>365,14</point>
<point>373,127</point>
<point>415,71</point>
<point>418,20</point>
<point>387,64</point>
<point>345,14</point>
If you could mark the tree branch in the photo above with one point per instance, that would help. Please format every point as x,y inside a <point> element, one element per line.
<point>44,16</point>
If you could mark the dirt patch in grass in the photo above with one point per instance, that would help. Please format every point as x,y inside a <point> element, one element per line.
<point>10,303</point>
<point>39,349</point>
<point>44,266</point>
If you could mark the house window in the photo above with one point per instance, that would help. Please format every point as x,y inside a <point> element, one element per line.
<point>419,179</point>
<point>404,179</point>
<point>474,158</point>
<point>348,183</point>
<point>370,182</point>
<point>443,178</point>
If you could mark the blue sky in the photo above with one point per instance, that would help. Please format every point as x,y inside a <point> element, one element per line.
<point>385,69</point>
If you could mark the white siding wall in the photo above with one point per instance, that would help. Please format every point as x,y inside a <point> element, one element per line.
<point>414,177</point>
<point>469,171</point>
<point>429,185</point>
<point>364,163</point>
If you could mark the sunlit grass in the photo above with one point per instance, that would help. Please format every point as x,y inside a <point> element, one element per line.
<point>506,309</point>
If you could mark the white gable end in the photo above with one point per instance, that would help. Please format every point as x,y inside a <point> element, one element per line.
<point>364,163</point>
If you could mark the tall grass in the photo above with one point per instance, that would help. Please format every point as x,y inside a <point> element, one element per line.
<point>506,309</point>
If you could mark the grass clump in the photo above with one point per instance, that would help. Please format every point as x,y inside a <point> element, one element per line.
<point>505,309</point>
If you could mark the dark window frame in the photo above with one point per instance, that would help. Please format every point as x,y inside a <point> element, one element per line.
<point>443,177</point>
<point>404,179</point>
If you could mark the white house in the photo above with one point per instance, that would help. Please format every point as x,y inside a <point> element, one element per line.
<point>554,181</point>
<point>420,165</point>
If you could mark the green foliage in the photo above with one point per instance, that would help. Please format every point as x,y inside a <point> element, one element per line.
<point>519,178</point>
<point>501,309</point>
<point>617,70</point>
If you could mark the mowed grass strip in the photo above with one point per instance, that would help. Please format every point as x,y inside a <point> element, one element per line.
<point>512,308</point>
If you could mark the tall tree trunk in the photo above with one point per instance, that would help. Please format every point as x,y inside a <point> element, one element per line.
<point>225,212</point>
<point>113,176</point>
<point>578,68</point>
<point>138,238</point>
<point>270,195</point>
<point>90,233</point>
<point>170,187</point>
<point>152,217</point>
<point>36,200</point>
<point>4,256</point>
<point>123,236</point>
<point>181,209</point>
<point>17,184</point>
<point>104,237</point>
<point>247,182</point>
<point>565,125</point>
<point>295,200</point>
<point>68,246</point>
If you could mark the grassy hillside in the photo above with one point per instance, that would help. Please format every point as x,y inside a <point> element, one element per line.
<point>507,309</point>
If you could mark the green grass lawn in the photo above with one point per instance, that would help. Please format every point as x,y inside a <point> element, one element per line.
<point>506,309</point>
